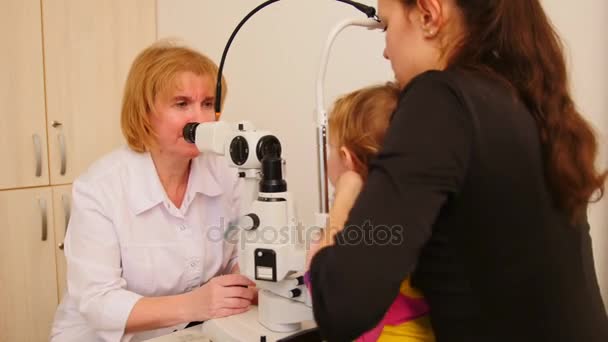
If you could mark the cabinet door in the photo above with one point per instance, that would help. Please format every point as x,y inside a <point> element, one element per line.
<point>28,283</point>
<point>62,206</point>
<point>23,149</point>
<point>89,46</point>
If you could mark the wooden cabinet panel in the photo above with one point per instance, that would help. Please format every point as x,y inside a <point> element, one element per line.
<point>62,205</point>
<point>23,141</point>
<point>89,47</point>
<point>28,282</point>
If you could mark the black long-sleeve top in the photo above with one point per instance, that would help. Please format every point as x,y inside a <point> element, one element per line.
<point>458,199</point>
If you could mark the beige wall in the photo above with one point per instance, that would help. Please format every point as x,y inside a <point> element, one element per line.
<point>272,66</point>
<point>582,25</point>
<point>273,63</point>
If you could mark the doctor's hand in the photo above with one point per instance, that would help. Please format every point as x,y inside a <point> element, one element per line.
<point>220,297</point>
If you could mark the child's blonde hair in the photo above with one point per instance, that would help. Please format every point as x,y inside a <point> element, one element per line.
<point>359,120</point>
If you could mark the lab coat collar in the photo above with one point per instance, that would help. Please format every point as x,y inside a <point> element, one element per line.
<point>146,190</point>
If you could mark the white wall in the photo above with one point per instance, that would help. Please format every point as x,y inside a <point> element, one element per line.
<point>272,66</point>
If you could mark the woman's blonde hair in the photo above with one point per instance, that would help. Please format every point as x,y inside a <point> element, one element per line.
<point>153,73</point>
<point>359,120</point>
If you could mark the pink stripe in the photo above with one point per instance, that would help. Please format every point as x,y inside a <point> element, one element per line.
<point>403,309</point>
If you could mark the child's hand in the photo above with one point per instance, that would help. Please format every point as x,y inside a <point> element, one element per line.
<point>348,187</point>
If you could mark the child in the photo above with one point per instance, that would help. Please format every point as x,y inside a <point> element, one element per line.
<point>357,125</point>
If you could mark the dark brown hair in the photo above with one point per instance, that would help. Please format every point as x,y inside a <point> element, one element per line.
<point>515,41</point>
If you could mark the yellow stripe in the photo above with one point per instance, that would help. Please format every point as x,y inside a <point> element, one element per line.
<point>419,330</point>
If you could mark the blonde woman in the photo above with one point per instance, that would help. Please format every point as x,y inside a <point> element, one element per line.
<point>144,247</point>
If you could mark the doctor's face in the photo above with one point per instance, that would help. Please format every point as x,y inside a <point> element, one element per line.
<point>191,100</point>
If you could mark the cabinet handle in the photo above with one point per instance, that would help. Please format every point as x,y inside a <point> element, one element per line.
<point>66,210</point>
<point>62,152</point>
<point>38,154</point>
<point>42,203</point>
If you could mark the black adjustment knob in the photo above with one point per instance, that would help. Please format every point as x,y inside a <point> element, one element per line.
<point>239,150</point>
<point>255,221</point>
<point>295,293</point>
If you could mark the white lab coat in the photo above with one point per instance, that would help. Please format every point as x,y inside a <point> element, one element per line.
<point>126,240</point>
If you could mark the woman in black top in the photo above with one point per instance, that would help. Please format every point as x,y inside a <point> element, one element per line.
<point>482,185</point>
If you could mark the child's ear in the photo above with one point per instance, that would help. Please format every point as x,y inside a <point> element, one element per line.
<point>348,158</point>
